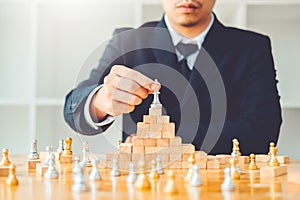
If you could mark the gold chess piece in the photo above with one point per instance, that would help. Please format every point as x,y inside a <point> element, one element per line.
<point>5,161</point>
<point>234,171</point>
<point>252,165</point>
<point>12,179</point>
<point>192,161</point>
<point>273,162</point>
<point>235,147</point>
<point>67,146</point>
<point>170,187</point>
<point>142,182</point>
<point>153,174</point>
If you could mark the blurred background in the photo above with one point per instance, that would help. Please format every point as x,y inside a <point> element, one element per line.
<point>44,44</point>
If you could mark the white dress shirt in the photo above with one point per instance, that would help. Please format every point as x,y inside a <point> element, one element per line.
<point>176,39</point>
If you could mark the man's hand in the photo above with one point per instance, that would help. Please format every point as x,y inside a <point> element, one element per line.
<point>123,89</point>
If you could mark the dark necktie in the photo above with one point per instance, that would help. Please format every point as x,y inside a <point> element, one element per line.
<point>186,50</point>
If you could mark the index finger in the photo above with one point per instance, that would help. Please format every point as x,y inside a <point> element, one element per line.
<point>136,76</point>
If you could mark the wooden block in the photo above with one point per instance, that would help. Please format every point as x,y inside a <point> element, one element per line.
<point>31,164</point>
<point>162,142</point>
<point>150,156</point>
<point>175,157</point>
<point>153,150</point>
<point>125,148</point>
<point>124,165</point>
<point>200,155</point>
<point>66,159</point>
<point>175,165</point>
<point>41,169</point>
<point>168,130</point>
<point>188,148</point>
<point>111,155</point>
<point>163,119</point>
<point>267,171</point>
<point>176,141</point>
<point>243,160</point>
<point>138,150</point>
<point>4,170</point>
<point>155,111</point>
<point>156,127</point>
<point>163,156</point>
<point>185,165</point>
<point>142,130</point>
<point>262,158</point>
<point>150,142</point>
<point>147,119</point>
<point>202,163</point>
<point>154,134</point>
<point>185,157</point>
<point>223,159</point>
<point>137,141</point>
<point>137,157</point>
<point>283,159</point>
<point>125,157</point>
<point>213,164</point>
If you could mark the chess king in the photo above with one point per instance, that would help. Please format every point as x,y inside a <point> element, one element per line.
<point>222,70</point>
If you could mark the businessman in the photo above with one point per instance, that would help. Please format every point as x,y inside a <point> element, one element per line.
<point>228,71</point>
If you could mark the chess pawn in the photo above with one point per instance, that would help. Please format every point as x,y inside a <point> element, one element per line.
<point>85,159</point>
<point>33,155</point>
<point>142,182</point>
<point>235,147</point>
<point>12,179</point>
<point>195,180</point>
<point>159,168</point>
<point>5,160</point>
<point>153,174</point>
<point>95,174</point>
<point>131,178</point>
<point>252,165</point>
<point>273,162</point>
<point>60,148</point>
<point>76,169</point>
<point>235,174</point>
<point>228,184</point>
<point>79,184</point>
<point>192,161</point>
<point>51,172</point>
<point>68,147</point>
<point>115,168</point>
<point>170,187</point>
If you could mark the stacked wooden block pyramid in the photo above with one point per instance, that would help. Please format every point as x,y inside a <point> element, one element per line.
<point>155,137</point>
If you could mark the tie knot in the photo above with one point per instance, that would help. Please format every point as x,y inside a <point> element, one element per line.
<point>186,49</point>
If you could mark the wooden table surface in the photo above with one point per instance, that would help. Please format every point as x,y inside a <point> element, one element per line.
<point>250,186</point>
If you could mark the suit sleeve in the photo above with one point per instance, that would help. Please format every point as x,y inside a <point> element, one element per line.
<point>76,98</point>
<point>259,119</point>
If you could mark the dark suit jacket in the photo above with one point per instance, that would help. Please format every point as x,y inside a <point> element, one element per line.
<point>241,103</point>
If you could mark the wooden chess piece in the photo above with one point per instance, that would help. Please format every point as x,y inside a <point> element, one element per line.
<point>153,174</point>
<point>142,182</point>
<point>234,171</point>
<point>67,146</point>
<point>235,147</point>
<point>273,162</point>
<point>192,161</point>
<point>170,187</point>
<point>252,165</point>
<point>12,179</point>
<point>5,160</point>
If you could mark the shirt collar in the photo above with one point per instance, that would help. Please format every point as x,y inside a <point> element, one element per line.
<point>199,39</point>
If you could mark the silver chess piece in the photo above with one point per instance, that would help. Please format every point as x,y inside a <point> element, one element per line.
<point>79,184</point>
<point>95,174</point>
<point>156,103</point>
<point>86,155</point>
<point>76,169</point>
<point>51,172</point>
<point>131,178</point>
<point>228,184</point>
<point>60,148</point>
<point>115,168</point>
<point>33,155</point>
<point>159,167</point>
<point>195,180</point>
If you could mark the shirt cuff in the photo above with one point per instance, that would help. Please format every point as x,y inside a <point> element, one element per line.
<point>88,116</point>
